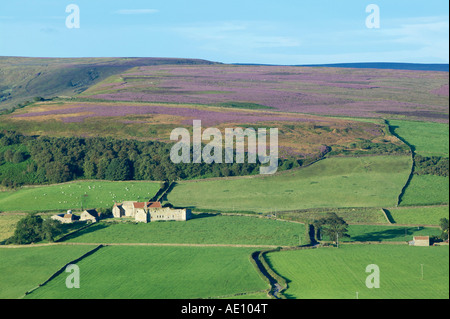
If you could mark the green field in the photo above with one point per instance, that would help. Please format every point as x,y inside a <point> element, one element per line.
<point>8,225</point>
<point>159,273</point>
<point>331,273</point>
<point>430,215</point>
<point>89,194</point>
<point>227,230</point>
<point>426,190</point>
<point>428,138</point>
<point>334,182</point>
<point>22,269</point>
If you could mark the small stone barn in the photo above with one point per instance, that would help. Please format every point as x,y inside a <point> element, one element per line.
<point>423,241</point>
<point>89,215</point>
<point>66,218</point>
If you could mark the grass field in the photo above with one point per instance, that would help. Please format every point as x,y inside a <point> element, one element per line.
<point>419,215</point>
<point>426,190</point>
<point>229,230</point>
<point>333,182</point>
<point>8,225</point>
<point>89,194</point>
<point>428,139</point>
<point>159,273</point>
<point>22,269</point>
<point>330,273</point>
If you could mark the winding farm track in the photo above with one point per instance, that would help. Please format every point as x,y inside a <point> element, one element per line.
<point>141,244</point>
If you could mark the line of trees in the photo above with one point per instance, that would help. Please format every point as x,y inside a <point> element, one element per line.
<point>364,147</point>
<point>62,159</point>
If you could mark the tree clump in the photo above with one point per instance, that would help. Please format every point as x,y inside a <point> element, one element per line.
<point>33,228</point>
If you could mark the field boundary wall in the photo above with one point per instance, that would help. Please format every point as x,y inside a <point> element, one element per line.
<point>62,269</point>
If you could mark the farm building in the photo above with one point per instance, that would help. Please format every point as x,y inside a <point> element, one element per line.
<point>149,211</point>
<point>89,215</point>
<point>129,208</point>
<point>423,241</point>
<point>158,214</point>
<point>66,218</point>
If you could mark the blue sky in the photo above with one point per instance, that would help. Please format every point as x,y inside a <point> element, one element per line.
<point>232,31</point>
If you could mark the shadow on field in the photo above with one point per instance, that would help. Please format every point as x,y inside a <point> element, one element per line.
<point>203,215</point>
<point>90,229</point>
<point>400,234</point>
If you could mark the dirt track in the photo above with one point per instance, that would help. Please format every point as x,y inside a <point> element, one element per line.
<point>139,244</point>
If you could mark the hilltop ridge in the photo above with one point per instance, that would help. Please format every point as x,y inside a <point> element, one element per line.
<point>23,78</point>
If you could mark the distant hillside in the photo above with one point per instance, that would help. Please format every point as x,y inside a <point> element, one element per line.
<point>22,79</point>
<point>372,65</point>
<point>392,66</point>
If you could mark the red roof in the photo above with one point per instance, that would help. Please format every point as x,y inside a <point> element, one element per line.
<point>154,205</point>
<point>139,205</point>
<point>422,238</point>
<point>148,205</point>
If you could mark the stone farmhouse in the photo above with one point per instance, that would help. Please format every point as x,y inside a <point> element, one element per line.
<point>146,212</point>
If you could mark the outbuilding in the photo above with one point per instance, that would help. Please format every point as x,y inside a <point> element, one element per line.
<point>89,215</point>
<point>423,241</point>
